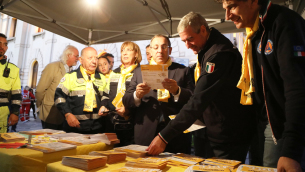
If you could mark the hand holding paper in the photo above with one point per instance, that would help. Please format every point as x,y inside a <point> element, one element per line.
<point>171,85</point>
<point>142,89</point>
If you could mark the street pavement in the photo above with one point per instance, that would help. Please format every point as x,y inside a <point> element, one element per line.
<point>32,124</point>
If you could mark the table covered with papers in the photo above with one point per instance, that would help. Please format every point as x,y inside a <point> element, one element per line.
<point>29,160</point>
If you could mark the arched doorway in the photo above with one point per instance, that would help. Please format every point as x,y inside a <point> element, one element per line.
<point>34,75</point>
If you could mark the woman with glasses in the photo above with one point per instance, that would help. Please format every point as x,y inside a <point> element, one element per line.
<point>119,80</point>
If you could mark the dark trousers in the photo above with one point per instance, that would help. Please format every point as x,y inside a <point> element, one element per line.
<point>33,107</point>
<point>180,144</point>
<point>200,142</point>
<point>46,125</point>
<point>126,137</point>
<point>232,150</point>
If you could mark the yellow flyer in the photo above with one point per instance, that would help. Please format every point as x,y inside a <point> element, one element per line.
<point>153,75</point>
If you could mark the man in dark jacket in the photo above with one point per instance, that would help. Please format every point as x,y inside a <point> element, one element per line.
<point>278,52</point>
<point>152,107</point>
<point>229,125</point>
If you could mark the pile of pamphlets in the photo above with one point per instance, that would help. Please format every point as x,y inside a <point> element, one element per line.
<point>85,162</point>
<point>134,151</point>
<point>150,162</point>
<point>108,138</point>
<point>248,168</point>
<point>11,137</point>
<point>112,156</point>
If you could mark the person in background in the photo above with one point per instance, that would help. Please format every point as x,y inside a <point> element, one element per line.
<point>26,104</point>
<point>50,116</point>
<point>10,82</point>
<point>153,107</point>
<point>148,54</point>
<point>104,65</point>
<point>121,118</point>
<point>32,103</point>
<point>79,93</point>
<point>111,59</point>
<point>273,76</point>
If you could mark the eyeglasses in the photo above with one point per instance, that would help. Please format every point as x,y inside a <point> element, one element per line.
<point>163,47</point>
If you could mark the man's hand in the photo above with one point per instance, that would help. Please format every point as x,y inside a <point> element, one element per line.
<point>156,147</point>
<point>122,111</point>
<point>72,121</point>
<point>13,119</point>
<point>142,89</point>
<point>171,86</point>
<point>286,164</point>
<point>103,111</point>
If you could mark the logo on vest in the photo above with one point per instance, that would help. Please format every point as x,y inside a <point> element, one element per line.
<point>269,47</point>
<point>259,48</point>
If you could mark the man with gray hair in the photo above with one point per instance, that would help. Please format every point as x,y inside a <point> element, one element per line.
<point>48,113</point>
<point>229,125</point>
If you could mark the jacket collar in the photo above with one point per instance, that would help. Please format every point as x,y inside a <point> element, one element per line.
<point>210,42</point>
<point>79,74</point>
<point>264,10</point>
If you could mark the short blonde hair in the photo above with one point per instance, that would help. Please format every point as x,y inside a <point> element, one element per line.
<point>132,46</point>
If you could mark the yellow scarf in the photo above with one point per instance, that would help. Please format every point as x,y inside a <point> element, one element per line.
<point>245,82</point>
<point>125,73</point>
<point>108,75</point>
<point>197,71</point>
<point>163,94</point>
<point>90,101</point>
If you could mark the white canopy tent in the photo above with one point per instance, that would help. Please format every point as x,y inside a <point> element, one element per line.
<point>109,21</point>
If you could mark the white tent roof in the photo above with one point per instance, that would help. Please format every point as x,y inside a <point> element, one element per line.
<point>114,20</point>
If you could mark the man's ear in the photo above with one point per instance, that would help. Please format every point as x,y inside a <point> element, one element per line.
<point>170,50</point>
<point>202,29</point>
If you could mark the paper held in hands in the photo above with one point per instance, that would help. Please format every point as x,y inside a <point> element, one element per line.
<point>153,75</point>
<point>196,126</point>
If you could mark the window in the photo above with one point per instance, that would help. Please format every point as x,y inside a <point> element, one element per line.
<point>13,28</point>
<point>34,75</point>
<point>3,25</point>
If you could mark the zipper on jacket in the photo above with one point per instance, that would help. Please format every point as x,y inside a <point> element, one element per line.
<point>274,139</point>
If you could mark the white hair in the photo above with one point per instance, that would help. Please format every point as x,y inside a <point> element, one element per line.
<point>67,51</point>
<point>195,20</point>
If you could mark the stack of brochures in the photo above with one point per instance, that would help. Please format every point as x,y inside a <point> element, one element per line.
<point>112,157</point>
<point>11,137</point>
<point>65,135</point>
<point>246,168</point>
<point>130,169</point>
<point>85,162</point>
<point>184,160</point>
<point>107,138</point>
<point>222,162</point>
<point>134,151</point>
<point>78,140</point>
<point>51,147</point>
<point>199,168</point>
<point>150,162</point>
<point>43,131</point>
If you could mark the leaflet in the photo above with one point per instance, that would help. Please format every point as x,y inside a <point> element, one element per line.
<point>153,75</point>
<point>196,126</point>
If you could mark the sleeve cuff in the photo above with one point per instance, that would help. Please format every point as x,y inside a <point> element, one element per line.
<point>162,138</point>
<point>292,148</point>
<point>176,97</point>
<point>137,101</point>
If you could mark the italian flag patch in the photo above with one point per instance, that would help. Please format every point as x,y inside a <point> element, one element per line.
<point>209,67</point>
<point>299,53</point>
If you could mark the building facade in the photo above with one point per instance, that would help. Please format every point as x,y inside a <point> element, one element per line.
<point>32,48</point>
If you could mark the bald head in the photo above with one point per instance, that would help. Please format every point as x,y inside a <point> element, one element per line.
<point>89,58</point>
